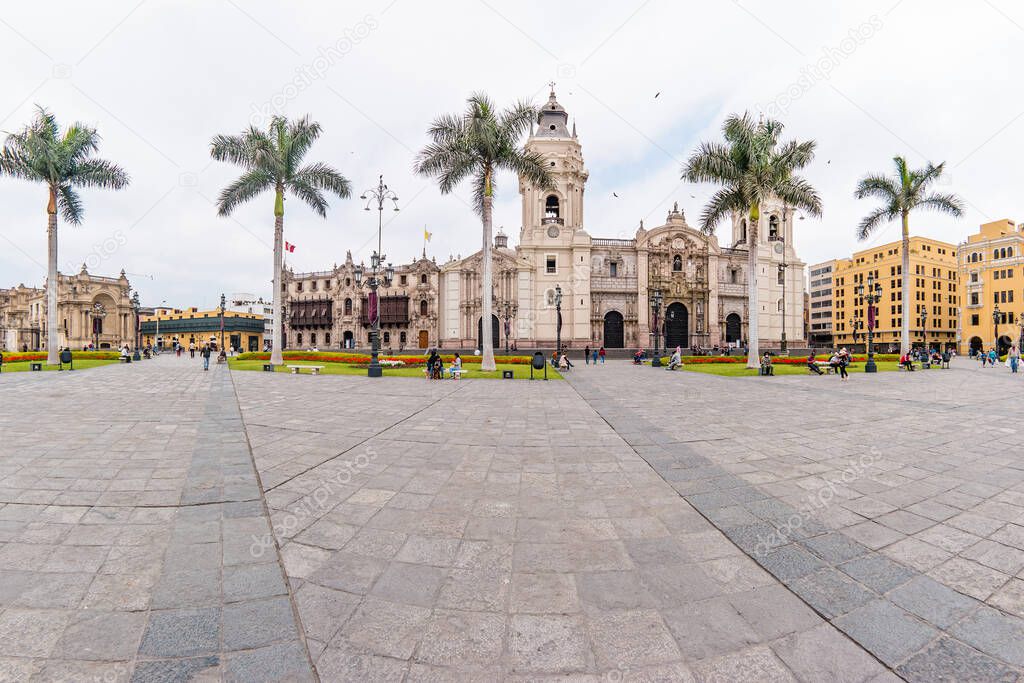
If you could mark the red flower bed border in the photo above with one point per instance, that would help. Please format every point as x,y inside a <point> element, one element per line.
<point>362,358</point>
<point>77,355</point>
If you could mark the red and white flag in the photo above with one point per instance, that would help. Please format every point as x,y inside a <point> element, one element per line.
<point>289,247</point>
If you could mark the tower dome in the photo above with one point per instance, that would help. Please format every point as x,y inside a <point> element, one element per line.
<point>552,119</point>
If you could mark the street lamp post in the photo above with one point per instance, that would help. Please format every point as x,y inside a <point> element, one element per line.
<point>996,315</point>
<point>558,321</point>
<point>223,352</point>
<point>136,306</point>
<point>508,313</point>
<point>656,310</point>
<point>98,314</point>
<point>872,295</point>
<point>924,327</point>
<point>378,196</point>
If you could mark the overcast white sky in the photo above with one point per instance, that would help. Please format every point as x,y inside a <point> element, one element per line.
<point>930,80</point>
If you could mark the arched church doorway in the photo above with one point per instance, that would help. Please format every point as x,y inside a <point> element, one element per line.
<point>733,328</point>
<point>614,330</point>
<point>677,326</point>
<point>495,336</point>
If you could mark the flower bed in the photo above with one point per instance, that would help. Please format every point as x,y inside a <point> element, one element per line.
<point>77,355</point>
<point>783,360</point>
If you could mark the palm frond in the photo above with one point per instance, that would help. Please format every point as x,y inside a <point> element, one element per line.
<point>712,162</point>
<point>99,173</point>
<point>528,165</point>
<point>879,186</point>
<point>800,194</point>
<point>301,135</point>
<point>873,220</point>
<point>515,121</point>
<point>250,184</point>
<point>307,192</point>
<point>323,177</point>
<point>723,204</point>
<point>943,203</point>
<point>70,204</point>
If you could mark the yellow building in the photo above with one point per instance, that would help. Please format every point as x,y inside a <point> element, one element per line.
<point>989,263</point>
<point>934,296</point>
<point>243,331</point>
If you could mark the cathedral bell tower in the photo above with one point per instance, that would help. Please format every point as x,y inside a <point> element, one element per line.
<point>553,240</point>
<point>555,213</point>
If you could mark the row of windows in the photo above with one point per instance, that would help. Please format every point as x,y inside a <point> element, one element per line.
<point>403,280</point>
<point>997,253</point>
<point>1005,317</point>
<point>313,339</point>
<point>896,323</point>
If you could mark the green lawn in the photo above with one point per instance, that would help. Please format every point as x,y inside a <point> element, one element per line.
<point>741,370</point>
<point>520,371</point>
<point>80,364</point>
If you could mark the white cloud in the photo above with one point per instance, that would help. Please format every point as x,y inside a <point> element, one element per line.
<point>934,81</point>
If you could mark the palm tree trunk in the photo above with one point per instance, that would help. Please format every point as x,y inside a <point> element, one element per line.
<point>486,336</point>
<point>753,355</point>
<point>276,357</point>
<point>905,332</point>
<point>52,342</point>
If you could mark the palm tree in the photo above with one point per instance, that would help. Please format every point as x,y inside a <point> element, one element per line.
<point>900,195</point>
<point>41,152</point>
<point>272,160</point>
<point>752,168</point>
<point>476,145</point>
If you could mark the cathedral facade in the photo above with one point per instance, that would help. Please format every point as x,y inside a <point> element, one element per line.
<point>606,285</point>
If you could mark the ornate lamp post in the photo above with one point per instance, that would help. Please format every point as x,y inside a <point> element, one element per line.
<point>508,313</point>
<point>377,279</point>
<point>136,306</point>
<point>924,326</point>
<point>98,314</point>
<point>222,356</point>
<point>872,295</point>
<point>996,315</point>
<point>558,321</point>
<point>379,195</point>
<point>656,310</point>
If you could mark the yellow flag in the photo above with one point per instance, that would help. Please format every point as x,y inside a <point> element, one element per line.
<point>426,235</point>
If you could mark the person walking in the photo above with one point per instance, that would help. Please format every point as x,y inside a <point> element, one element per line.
<point>992,357</point>
<point>600,354</point>
<point>206,353</point>
<point>844,360</point>
<point>191,349</point>
<point>593,356</point>
<point>586,354</point>
<point>1014,357</point>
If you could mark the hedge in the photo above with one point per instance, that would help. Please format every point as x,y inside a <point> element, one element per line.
<point>41,355</point>
<point>362,358</point>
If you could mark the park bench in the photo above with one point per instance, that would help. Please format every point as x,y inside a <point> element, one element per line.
<point>124,359</point>
<point>313,369</point>
<point>915,364</point>
<point>825,366</point>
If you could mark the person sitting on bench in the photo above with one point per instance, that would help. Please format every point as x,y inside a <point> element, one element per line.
<point>766,365</point>
<point>907,362</point>
<point>812,365</point>
<point>676,361</point>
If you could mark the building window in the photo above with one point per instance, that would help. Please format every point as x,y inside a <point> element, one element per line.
<point>298,286</point>
<point>423,307</point>
<point>782,276</point>
<point>743,230</point>
<point>551,266</point>
<point>613,269</point>
<point>387,337</point>
<point>551,208</point>
<point>327,284</point>
<point>348,306</point>
<point>348,282</point>
<point>677,263</point>
<point>312,285</point>
<point>327,338</point>
<point>404,280</point>
<point>312,339</point>
<point>423,279</point>
<point>298,339</point>
<point>773,228</point>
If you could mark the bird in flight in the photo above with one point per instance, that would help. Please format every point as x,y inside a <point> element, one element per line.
<point>656,94</point>
<point>614,195</point>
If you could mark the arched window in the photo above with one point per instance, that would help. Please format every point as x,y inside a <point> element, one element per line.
<point>348,306</point>
<point>298,339</point>
<point>677,263</point>
<point>743,230</point>
<point>780,305</point>
<point>1009,252</point>
<point>327,338</point>
<point>773,227</point>
<point>423,279</point>
<point>312,338</point>
<point>402,338</point>
<point>551,208</point>
<point>387,337</point>
<point>423,307</point>
<point>348,282</point>
<point>995,254</point>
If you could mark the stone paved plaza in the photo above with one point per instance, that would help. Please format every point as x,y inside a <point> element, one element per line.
<point>159,523</point>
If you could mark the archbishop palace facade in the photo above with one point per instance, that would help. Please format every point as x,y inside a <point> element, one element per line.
<point>606,284</point>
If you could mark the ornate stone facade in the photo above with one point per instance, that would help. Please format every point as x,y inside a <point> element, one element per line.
<point>91,309</point>
<point>606,284</point>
